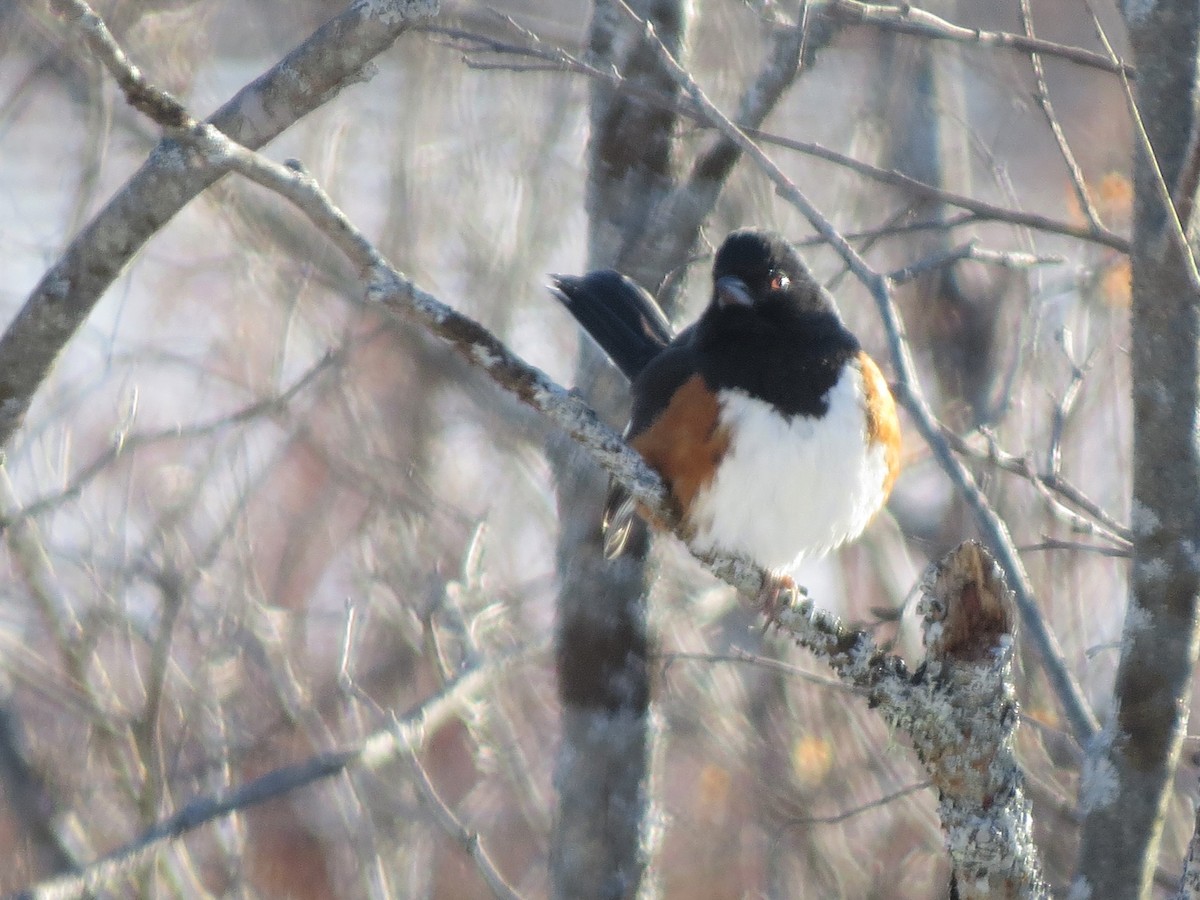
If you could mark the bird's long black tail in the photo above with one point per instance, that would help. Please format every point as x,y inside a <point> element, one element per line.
<point>619,315</point>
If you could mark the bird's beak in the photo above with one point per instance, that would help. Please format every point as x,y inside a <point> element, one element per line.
<point>730,291</point>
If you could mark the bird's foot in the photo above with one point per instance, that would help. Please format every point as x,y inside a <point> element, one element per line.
<point>776,594</point>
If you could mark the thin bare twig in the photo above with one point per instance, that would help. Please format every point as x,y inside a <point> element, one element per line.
<point>1066,403</point>
<point>1005,259</point>
<point>469,841</point>
<point>1042,95</point>
<point>1077,711</point>
<point>981,208</point>
<point>909,19</point>
<point>124,443</point>
<point>153,102</point>
<point>1057,544</point>
<point>402,738</point>
<point>859,810</point>
<point>894,228</point>
<point>758,661</point>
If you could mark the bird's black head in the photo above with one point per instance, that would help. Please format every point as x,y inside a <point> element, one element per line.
<point>759,270</point>
<point>771,330</point>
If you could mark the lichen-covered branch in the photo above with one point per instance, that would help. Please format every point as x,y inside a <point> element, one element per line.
<point>960,712</point>
<point>909,393</point>
<point>967,744</point>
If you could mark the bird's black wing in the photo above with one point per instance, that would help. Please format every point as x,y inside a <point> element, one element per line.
<point>619,315</point>
<point>652,391</point>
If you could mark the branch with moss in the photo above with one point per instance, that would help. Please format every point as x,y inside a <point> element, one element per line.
<point>910,395</point>
<point>958,710</point>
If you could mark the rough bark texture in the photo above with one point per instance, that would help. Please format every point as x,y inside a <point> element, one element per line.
<point>1125,787</point>
<point>960,712</point>
<point>968,746</point>
<point>1189,884</point>
<point>600,844</point>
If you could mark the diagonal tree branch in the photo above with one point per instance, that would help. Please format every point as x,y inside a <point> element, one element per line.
<point>403,738</point>
<point>909,19</point>
<point>556,59</point>
<point>1070,695</point>
<point>920,189</point>
<point>1042,96</point>
<point>312,74</point>
<point>961,733</point>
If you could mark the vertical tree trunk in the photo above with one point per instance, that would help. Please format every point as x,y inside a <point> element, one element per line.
<point>601,842</point>
<point>1124,790</point>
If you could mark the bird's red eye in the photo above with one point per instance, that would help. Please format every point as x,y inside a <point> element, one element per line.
<point>779,281</point>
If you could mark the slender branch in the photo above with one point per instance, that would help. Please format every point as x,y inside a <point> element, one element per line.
<point>925,191</point>
<point>761,662</point>
<point>1009,259</point>
<point>402,738</point>
<point>1083,722</point>
<point>469,841</point>
<point>156,104</point>
<point>1056,544</point>
<point>892,227</point>
<point>859,810</point>
<point>1042,95</point>
<point>908,19</point>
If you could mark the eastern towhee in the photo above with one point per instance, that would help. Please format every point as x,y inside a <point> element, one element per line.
<point>775,432</point>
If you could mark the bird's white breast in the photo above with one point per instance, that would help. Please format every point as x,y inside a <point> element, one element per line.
<point>788,488</point>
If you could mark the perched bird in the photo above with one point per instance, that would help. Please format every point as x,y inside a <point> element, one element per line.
<point>775,432</point>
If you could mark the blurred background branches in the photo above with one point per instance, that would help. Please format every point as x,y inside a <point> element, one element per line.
<point>249,520</point>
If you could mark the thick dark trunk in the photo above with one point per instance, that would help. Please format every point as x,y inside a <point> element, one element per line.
<point>602,774</point>
<point>1125,788</point>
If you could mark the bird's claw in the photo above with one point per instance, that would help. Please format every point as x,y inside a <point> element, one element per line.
<point>776,594</point>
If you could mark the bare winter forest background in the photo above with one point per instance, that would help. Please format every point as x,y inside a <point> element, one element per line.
<point>250,520</point>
